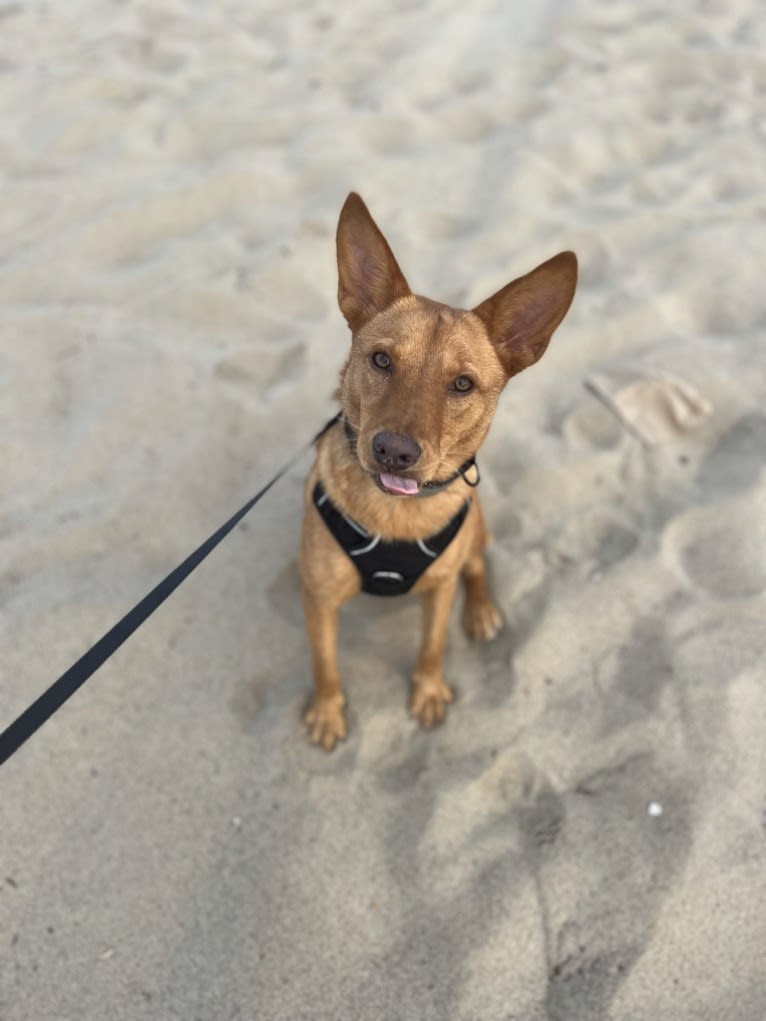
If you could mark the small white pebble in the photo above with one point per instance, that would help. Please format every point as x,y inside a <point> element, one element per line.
<point>236,822</point>
<point>654,809</point>
<point>107,954</point>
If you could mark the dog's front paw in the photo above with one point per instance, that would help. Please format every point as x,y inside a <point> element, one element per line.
<point>429,700</point>
<point>481,619</point>
<point>326,721</point>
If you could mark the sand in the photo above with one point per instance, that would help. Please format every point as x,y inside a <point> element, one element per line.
<point>585,838</point>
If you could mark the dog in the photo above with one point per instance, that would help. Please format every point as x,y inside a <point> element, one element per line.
<point>390,503</point>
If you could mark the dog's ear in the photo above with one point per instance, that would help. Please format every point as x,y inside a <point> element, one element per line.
<point>521,317</point>
<point>369,278</point>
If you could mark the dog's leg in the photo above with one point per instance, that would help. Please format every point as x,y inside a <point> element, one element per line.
<point>481,618</point>
<point>430,693</point>
<point>325,717</point>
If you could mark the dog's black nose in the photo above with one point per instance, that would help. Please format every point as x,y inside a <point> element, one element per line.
<point>393,451</point>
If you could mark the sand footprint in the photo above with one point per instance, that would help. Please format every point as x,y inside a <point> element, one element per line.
<point>592,424</point>
<point>721,549</point>
<point>593,540</point>
<point>266,372</point>
<point>437,226</point>
<point>388,135</point>
<point>738,459</point>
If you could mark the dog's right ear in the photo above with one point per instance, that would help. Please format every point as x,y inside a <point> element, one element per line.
<point>369,278</point>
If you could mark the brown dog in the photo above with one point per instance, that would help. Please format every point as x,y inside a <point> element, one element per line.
<point>390,501</point>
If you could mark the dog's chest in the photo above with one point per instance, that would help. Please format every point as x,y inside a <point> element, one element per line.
<point>386,568</point>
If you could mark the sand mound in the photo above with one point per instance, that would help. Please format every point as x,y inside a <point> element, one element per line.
<point>584,838</point>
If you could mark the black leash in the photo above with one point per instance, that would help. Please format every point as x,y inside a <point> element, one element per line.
<point>46,705</point>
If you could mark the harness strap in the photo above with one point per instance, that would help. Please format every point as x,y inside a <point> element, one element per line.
<point>386,567</point>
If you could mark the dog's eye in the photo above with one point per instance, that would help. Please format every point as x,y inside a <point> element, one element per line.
<point>381,361</point>
<point>462,385</point>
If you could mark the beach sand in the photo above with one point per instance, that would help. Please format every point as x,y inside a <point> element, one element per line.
<point>585,837</point>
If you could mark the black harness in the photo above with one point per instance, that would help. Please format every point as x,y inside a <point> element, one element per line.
<point>387,568</point>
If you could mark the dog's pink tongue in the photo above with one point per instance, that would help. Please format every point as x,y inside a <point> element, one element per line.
<point>396,484</point>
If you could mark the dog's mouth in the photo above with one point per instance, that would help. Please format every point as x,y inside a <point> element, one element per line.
<point>398,485</point>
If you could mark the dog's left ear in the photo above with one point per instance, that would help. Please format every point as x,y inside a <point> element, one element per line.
<point>521,317</point>
<point>369,278</point>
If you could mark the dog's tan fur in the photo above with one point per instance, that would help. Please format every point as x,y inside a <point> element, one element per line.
<point>430,345</point>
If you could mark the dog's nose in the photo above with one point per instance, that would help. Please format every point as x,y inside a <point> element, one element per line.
<point>394,451</point>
